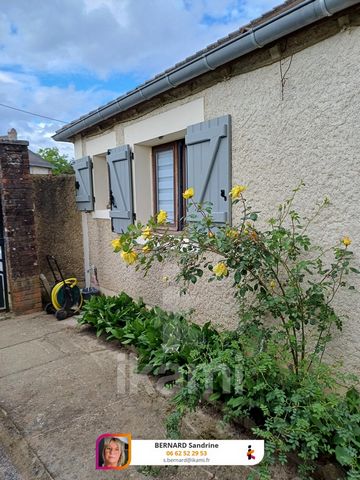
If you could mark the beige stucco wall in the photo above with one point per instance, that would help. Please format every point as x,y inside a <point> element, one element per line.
<point>310,134</point>
<point>40,171</point>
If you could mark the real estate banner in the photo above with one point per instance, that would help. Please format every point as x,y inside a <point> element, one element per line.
<point>119,451</point>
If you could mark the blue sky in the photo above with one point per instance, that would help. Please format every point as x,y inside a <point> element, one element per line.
<point>63,58</point>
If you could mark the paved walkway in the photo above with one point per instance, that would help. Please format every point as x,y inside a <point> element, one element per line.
<point>61,387</point>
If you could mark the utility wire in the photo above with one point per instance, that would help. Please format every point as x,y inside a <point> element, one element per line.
<point>31,113</point>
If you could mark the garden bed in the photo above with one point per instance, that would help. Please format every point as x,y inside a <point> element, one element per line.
<point>205,363</point>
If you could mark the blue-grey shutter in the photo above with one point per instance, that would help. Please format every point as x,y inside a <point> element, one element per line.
<point>121,194</point>
<point>84,184</point>
<point>209,165</point>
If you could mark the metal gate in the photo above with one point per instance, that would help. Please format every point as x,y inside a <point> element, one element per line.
<point>3,286</point>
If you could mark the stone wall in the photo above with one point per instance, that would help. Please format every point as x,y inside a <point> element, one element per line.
<point>58,225</point>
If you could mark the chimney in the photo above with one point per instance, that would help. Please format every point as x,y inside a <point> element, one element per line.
<point>12,134</point>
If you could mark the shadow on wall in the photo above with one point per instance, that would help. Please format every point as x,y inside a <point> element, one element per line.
<point>58,225</point>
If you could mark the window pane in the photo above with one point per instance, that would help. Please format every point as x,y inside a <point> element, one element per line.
<point>165,182</point>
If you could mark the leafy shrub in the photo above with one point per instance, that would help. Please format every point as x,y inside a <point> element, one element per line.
<point>106,314</point>
<point>274,375</point>
<point>277,272</point>
<point>245,375</point>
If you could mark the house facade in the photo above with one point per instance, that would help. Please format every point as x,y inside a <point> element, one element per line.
<point>39,166</point>
<point>272,104</point>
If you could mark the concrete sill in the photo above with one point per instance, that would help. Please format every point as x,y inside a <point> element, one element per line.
<point>102,214</point>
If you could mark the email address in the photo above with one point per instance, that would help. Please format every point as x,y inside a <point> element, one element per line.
<point>186,460</point>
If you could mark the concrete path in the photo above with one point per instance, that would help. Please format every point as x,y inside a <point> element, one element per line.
<point>61,387</point>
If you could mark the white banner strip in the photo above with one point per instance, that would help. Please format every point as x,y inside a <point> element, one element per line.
<point>197,452</point>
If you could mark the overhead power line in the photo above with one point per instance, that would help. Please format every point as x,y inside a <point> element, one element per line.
<point>32,113</point>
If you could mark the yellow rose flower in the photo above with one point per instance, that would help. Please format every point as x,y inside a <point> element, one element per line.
<point>129,257</point>
<point>220,269</point>
<point>346,241</point>
<point>236,191</point>
<point>253,235</point>
<point>162,216</point>
<point>232,233</point>
<point>189,193</point>
<point>147,233</point>
<point>272,284</point>
<point>211,234</point>
<point>146,249</point>
<point>116,244</point>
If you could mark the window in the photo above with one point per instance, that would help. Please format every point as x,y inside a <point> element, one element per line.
<point>202,161</point>
<point>169,181</point>
<point>100,182</point>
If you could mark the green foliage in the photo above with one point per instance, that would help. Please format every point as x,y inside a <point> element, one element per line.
<point>149,471</point>
<point>173,425</point>
<point>273,375</point>
<point>60,162</point>
<point>278,273</point>
<point>245,374</point>
<point>107,314</point>
<point>306,416</point>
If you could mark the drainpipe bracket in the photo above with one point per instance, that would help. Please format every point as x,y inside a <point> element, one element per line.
<point>324,9</point>
<point>209,67</point>
<point>256,43</point>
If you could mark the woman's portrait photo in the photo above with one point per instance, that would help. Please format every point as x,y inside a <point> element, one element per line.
<point>112,451</point>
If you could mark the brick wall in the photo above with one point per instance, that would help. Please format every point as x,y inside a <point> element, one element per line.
<point>19,227</point>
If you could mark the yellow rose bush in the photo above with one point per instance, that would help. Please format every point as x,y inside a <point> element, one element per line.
<point>285,285</point>
<point>146,249</point>
<point>346,241</point>
<point>129,257</point>
<point>220,270</point>
<point>273,270</point>
<point>236,191</point>
<point>147,232</point>
<point>189,193</point>
<point>116,244</point>
<point>162,217</point>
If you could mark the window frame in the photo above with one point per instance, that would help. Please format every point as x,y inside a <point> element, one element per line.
<point>179,169</point>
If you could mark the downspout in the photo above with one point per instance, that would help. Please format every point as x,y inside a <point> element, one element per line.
<point>287,22</point>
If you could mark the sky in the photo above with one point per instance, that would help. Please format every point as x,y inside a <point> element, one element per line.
<point>63,58</point>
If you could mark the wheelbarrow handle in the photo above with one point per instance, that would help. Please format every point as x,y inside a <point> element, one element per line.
<point>50,259</point>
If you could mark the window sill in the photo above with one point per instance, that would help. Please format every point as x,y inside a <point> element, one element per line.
<point>101,214</point>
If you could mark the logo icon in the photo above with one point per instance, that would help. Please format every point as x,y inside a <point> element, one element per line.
<point>250,453</point>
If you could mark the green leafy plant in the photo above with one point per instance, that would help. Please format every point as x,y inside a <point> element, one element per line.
<point>107,314</point>
<point>277,272</point>
<point>244,375</point>
<point>60,162</point>
<point>271,368</point>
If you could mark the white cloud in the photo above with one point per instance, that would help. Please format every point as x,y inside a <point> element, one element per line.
<point>105,36</point>
<point>24,91</point>
<point>40,40</point>
<point>6,78</point>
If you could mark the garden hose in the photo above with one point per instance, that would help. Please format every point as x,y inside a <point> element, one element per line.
<point>72,282</point>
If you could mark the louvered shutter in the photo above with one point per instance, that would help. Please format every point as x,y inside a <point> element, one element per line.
<point>84,184</point>
<point>122,212</point>
<point>209,165</point>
